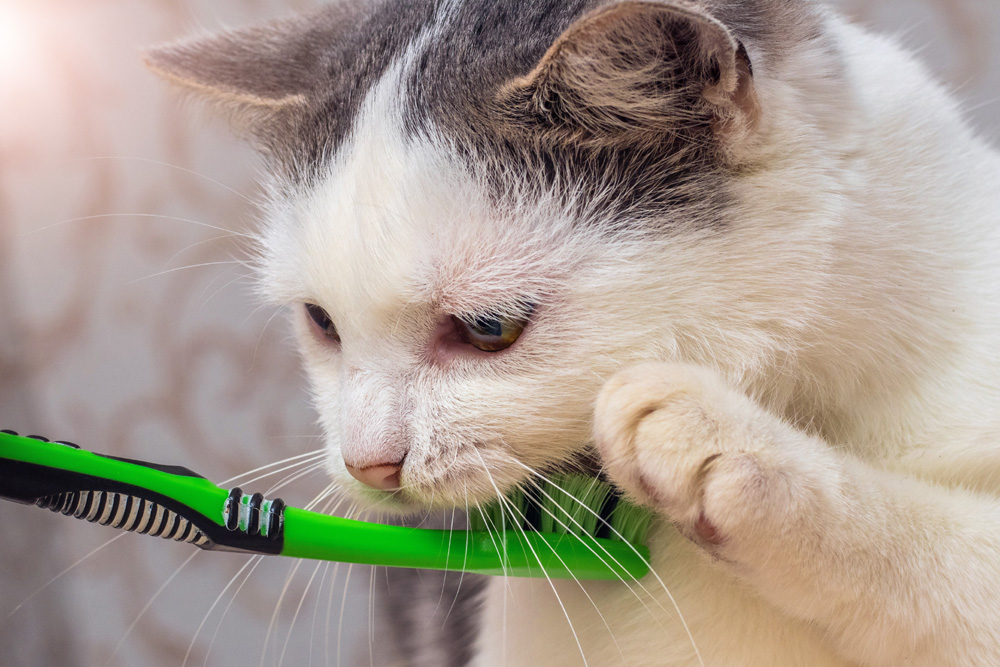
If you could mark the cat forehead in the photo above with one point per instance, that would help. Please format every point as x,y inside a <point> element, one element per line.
<point>397,221</point>
<point>394,155</point>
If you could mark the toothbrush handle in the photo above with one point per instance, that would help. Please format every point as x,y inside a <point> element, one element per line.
<point>515,553</point>
<point>175,503</point>
<point>167,501</point>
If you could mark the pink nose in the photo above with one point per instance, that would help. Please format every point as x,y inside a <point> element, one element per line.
<point>381,477</point>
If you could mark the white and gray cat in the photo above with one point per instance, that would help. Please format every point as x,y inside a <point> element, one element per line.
<point>739,252</point>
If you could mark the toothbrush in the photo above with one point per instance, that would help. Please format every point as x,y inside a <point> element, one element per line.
<point>574,528</point>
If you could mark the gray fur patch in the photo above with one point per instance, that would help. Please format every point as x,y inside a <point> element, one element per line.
<point>433,617</point>
<point>295,86</point>
<point>549,135</point>
<point>653,153</point>
<point>462,92</point>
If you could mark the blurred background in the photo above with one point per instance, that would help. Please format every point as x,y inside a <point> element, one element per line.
<point>129,325</point>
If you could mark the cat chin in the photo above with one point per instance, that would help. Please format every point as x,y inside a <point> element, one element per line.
<point>383,503</point>
<point>402,504</point>
<point>418,498</point>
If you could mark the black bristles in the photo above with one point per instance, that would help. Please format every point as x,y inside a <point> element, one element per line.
<point>566,503</point>
<point>607,509</point>
<point>532,509</point>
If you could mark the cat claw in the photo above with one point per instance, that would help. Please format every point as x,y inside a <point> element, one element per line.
<point>679,439</point>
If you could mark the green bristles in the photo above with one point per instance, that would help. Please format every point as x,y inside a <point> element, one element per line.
<point>569,504</point>
<point>566,503</point>
<point>629,522</point>
<point>491,517</point>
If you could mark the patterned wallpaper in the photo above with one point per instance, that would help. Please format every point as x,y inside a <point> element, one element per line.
<point>129,325</point>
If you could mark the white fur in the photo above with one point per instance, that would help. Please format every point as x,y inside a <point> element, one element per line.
<point>840,334</point>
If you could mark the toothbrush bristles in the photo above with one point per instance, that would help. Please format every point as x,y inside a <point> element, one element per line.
<point>566,503</point>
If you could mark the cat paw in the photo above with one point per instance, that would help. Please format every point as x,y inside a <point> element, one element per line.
<point>679,439</point>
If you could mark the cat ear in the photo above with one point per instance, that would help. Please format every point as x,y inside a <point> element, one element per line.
<point>637,70</point>
<point>260,77</point>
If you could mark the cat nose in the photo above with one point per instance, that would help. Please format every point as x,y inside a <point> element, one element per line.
<point>384,477</point>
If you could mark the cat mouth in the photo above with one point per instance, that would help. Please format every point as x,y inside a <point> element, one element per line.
<point>466,489</point>
<point>564,497</point>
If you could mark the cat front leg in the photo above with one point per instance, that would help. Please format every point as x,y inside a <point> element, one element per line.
<point>892,570</point>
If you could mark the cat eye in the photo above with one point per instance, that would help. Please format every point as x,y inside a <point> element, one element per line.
<point>322,320</point>
<point>491,333</point>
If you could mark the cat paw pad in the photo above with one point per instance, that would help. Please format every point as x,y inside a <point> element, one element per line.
<point>679,439</point>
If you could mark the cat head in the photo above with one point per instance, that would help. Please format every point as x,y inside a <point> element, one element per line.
<point>479,211</point>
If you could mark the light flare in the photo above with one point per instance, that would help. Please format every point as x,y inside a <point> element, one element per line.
<point>19,46</point>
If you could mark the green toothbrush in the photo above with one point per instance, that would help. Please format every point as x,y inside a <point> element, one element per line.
<point>575,527</point>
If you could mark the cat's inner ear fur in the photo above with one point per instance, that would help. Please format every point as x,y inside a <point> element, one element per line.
<point>257,77</point>
<point>637,70</point>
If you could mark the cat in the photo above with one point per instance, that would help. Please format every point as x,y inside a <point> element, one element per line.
<point>739,255</point>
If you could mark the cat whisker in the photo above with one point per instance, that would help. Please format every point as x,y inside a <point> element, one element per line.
<point>218,598</point>
<point>305,467</point>
<point>491,532</point>
<point>157,216</point>
<point>444,579</point>
<point>579,526</point>
<point>146,607</point>
<point>517,513</point>
<point>329,614</point>
<point>277,608</point>
<point>547,577</point>
<point>263,329</point>
<point>184,268</point>
<point>328,494</point>
<point>257,561</point>
<point>212,239</point>
<point>227,285</point>
<point>322,495</point>
<point>64,571</point>
<point>298,457</point>
<point>499,531</point>
<point>294,477</point>
<point>371,616</point>
<point>339,501</point>
<point>465,563</point>
<point>331,507</point>
<point>123,158</point>
<point>509,591</point>
<point>315,615</point>
<point>295,615</point>
<point>343,606</point>
<point>663,585</point>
